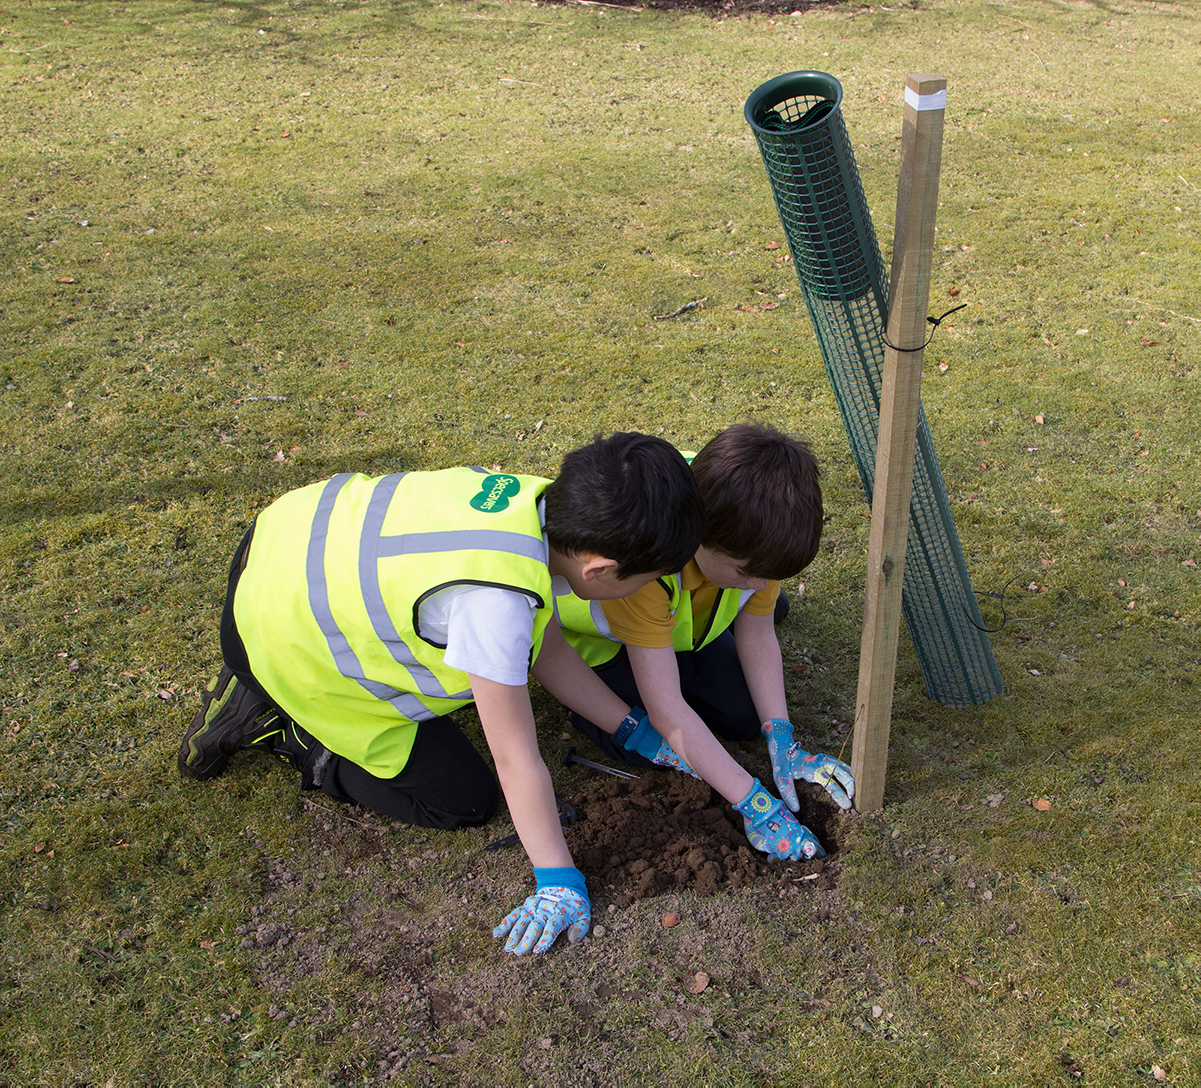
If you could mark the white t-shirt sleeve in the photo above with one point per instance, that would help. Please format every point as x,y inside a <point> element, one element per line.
<point>488,632</point>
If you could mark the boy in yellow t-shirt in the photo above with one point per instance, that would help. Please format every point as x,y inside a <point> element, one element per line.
<point>698,649</point>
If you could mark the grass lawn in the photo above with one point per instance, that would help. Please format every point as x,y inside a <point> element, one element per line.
<point>249,245</point>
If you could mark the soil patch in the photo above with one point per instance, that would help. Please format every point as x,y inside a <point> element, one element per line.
<point>667,831</point>
<point>422,992</point>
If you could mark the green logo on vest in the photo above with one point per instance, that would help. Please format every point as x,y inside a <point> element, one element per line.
<point>494,493</point>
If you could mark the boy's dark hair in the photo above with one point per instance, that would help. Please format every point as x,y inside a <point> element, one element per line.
<point>763,503</point>
<point>630,498</point>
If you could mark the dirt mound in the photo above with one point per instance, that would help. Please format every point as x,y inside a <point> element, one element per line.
<point>667,831</point>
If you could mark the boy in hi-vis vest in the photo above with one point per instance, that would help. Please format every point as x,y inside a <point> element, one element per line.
<point>362,611</point>
<point>699,650</point>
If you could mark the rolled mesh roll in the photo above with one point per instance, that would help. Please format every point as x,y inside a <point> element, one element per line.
<point>797,121</point>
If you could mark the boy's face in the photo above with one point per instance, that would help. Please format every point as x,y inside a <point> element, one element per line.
<point>724,571</point>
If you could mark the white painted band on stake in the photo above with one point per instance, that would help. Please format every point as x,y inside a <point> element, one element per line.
<point>935,101</point>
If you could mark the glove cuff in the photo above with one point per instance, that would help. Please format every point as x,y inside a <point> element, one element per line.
<point>757,803</point>
<point>565,876</point>
<point>772,725</point>
<point>645,740</point>
<point>628,724</point>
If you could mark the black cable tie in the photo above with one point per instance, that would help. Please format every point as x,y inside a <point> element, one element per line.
<point>935,321</point>
<point>992,593</point>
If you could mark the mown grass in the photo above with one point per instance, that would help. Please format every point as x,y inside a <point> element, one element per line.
<point>250,245</point>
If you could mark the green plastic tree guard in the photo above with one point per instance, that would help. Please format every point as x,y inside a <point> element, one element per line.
<point>797,121</point>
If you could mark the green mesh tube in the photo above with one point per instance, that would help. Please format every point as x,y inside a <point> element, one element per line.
<point>797,120</point>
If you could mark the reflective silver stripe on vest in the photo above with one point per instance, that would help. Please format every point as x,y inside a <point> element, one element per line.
<point>374,546</point>
<point>406,704</point>
<point>597,614</point>
<point>677,581</point>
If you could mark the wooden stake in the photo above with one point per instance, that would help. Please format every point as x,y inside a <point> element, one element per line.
<point>909,294</point>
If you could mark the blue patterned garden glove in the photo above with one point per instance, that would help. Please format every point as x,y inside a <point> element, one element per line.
<point>560,902</point>
<point>790,762</point>
<point>771,828</point>
<point>636,734</point>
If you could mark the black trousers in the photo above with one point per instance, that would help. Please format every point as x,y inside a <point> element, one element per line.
<point>446,783</point>
<point>711,682</point>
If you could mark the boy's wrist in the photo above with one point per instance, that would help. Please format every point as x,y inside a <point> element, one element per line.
<point>756,803</point>
<point>564,876</point>
<point>628,724</point>
<point>644,739</point>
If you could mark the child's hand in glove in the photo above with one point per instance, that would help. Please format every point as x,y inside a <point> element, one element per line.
<point>560,902</point>
<point>789,762</point>
<point>636,734</point>
<point>771,828</point>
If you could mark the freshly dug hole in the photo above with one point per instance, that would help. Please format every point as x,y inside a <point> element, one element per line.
<point>667,831</point>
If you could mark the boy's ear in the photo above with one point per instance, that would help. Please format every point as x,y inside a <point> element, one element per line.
<point>597,566</point>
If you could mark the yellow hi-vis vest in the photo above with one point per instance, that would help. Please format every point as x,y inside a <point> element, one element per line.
<point>327,605</point>
<point>585,627</point>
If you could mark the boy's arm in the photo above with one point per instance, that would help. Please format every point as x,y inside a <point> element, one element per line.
<point>508,722</point>
<point>762,664</point>
<point>568,678</point>
<point>658,680</point>
<point>560,899</point>
<point>770,827</point>
<point>564,674</point>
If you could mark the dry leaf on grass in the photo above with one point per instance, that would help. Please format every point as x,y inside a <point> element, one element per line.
<point>698,983</point>
<point>1042,804</point>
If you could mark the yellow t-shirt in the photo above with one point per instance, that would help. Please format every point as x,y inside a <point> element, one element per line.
<point>644,618</point>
